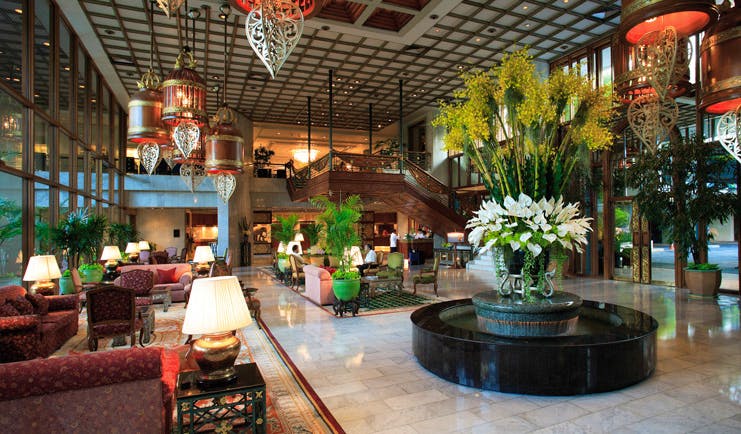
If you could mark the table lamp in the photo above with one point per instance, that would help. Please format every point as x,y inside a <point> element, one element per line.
<point>202,256</point>
<point>132,249</point>
<point>112,255</point>
<point>143,245</point>
<point>42,269</point>
<point>216,308</point>
<point>296,242</point>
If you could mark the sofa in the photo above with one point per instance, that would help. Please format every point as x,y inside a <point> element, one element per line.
<point>37,327</point>
<point>181,278</point>
<point>318,285</point>
<point>126,390</point>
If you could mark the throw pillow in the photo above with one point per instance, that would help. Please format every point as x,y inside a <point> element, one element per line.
<point>7,309</point>
<point>23,306</point>
<point>39,302</point>
<point>166,275</point>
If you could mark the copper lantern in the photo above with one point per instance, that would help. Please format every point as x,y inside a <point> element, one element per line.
<point>184,93</point>
<point>688,17</point>
<point>145,113</point>
<point>309,8</point>
<point>721,70</point>
<point>224,146</point>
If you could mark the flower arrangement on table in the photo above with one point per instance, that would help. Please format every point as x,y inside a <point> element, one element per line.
<point>509,121</point>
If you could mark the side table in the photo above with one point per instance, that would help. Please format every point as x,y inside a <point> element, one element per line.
<point>162,295</point>
<point>237,406</point>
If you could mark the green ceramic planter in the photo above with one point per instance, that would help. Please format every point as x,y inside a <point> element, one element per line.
<point>91,276</point>
<point>283,264</point>
<point>346,289</point>
<point>66,285</point>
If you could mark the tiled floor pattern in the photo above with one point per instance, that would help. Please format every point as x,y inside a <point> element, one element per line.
<point>364,371</point>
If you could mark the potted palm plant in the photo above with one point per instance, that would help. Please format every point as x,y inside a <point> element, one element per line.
<point>284,231</point>
<point>313,234</point>
<point>340,234</point>
<point>681,189</point>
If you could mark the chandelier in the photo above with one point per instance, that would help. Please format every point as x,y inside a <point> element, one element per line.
<point>10,125</point>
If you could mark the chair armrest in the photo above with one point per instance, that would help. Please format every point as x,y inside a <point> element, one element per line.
<point>30,323</point>
<point>186,278</point>
<point>63,302</point>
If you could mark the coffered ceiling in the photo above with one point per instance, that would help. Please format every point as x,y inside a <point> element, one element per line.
<point>371,45</point>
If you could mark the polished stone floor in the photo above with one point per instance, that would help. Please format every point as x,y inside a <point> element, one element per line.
<point>364,371</point>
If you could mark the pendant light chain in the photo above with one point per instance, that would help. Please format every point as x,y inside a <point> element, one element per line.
<point>151,35</point>
<point>226,19</point>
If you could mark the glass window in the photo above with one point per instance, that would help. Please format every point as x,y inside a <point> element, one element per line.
<point>94,139</point>
<point>605,66</point>
<point>81,201</point>
<point>105,121</point>
<point>11,19</point>
<point>65,77</point>
<point>64,204</point>
<point>42,143</point>
<point>42,54</point>
<point>42,244</point>
<point>65,159</point>
<point>116,133</point>
<point>11,256</point>
<point>81,91</point>
<point>11,131</point>
<point>82,174</point>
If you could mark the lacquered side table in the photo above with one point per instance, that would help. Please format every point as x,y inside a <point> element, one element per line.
<point>238,406</point>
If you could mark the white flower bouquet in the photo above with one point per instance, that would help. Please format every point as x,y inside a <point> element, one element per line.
<point>528,225</point>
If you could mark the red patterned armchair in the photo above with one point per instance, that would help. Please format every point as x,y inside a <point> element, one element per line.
<point>111,311</point>
<point>125,390</point>
<point>33,325</point>
<point>142,282</point>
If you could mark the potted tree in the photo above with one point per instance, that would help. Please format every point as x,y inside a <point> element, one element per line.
<point>340,234</point>
<point>680,188</point>
<point>284,231</point>
<point>313,233</point>
<point>262,156</point>
<point>80,235</point>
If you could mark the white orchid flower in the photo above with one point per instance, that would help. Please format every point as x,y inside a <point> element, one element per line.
<point>526,236</point>
<point>536,249</point>
<point>550,237</point>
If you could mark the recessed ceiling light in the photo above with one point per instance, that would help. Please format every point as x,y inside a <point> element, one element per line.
<point>325,28</point>
<point>18,11</point>
<point>215,77</point>
<point>524,8</point>
<point>527,25</point>
<point>46,43</point>
<point>478,39</point>
<point>109,32</point>
<point>434,16</point>
<point>437,30</point>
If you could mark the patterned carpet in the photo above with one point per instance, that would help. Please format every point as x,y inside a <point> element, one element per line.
<point>289,408</point>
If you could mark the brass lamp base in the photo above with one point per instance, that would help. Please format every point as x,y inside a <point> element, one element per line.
<point>215,355</point>
<point>44,287</point>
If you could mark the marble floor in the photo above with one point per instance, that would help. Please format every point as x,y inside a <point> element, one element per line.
<point>364,370</point>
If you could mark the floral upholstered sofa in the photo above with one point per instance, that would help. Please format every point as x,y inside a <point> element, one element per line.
<point>126,390</point>
<point>33,325</point>
<point>174,277</point>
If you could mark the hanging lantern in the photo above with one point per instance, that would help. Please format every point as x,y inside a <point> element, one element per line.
<point>145,112</point>
<point>309,8</point>
<point>169,6</point>
<point>193,171</point>
<point>225,184</point>
<point>149,156</point>
<point>224,147</point>
<point>184,93</point>
<point>167,153</point>
<point>688,17</point>
<point>273,31</point>
<point>721,70</point>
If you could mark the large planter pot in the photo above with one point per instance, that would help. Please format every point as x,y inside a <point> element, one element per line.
<point>283,264</point>
<point>66,285</point>
<point>703,282</point>
<point>91,276</point>
<point>346,289</point>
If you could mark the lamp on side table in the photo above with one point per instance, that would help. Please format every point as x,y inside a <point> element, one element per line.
<point>42,269</point>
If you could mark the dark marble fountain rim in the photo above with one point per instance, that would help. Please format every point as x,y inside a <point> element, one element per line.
<point>643,324</point>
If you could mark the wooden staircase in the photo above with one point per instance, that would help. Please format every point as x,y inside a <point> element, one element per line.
<point>379,179</point>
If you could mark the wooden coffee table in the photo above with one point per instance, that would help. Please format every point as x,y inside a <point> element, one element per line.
<point>369,285</point>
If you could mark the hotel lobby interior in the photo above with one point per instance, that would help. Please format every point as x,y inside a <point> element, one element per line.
<point>542,183</point>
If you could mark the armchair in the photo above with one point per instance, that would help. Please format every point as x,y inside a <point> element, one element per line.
<point>297,270</point>
<point>159,257</point>
<point>142,282</point>
<point>218,268</point>
<point>394,268</point>
<point>172,252</point>
<point>374,268</point>
<point>111,311</point>
<point>427,277</point>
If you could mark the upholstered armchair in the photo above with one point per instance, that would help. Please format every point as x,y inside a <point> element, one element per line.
<point>172,254</point>
<point>394,268</point>
<point>427,277</point>
<point>111,311</point>
<point>373,269</point>
<point>142,282</point>
<point>297,270</point>
<point>159,257</point>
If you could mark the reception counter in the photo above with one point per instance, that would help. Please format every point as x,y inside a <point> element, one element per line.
<point>425,247</point>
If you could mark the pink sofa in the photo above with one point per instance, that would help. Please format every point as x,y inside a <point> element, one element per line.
<point>318,285</point>
<point>183,278</point>
<point>127,390</point>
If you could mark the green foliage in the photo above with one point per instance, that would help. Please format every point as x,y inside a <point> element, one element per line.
<point>67,273</point>
<point>262,155</point>
<point>340,232</point>
<point>11,224</point>
<point>282,255</point>
<point>284,231</point>
<point>79,233</point>
<point>680,186</point>
<point>622,218</point>
<point>702,267</point>
<point>346,275</point>
<point>121,233</point>
<point>91,267</point>
<point>313,232</point>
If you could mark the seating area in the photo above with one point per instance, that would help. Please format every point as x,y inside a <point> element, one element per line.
<point>167,277</point>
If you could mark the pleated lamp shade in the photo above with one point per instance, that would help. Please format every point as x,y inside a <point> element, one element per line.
<point>42,267</point>
<point>216,305</point>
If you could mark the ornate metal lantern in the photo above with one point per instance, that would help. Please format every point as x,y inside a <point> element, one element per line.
<point>145,112</point>
<point>309,8</point>
<point>184,93</point>
<point>688,17</point>
<point>721,71</point>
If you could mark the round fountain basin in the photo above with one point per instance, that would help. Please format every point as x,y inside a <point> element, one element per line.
<point>509,316</point>
<point>609,347</point>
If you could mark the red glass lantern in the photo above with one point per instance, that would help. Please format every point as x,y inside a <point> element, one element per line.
<point>145,113</point>
<point>309,8</point>
<point>721,69</point>
<point>688,17</point>
<point>224,147</point>
<point>184,93</point>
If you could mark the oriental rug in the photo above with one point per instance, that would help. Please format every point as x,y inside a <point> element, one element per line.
<point>290,409</point>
